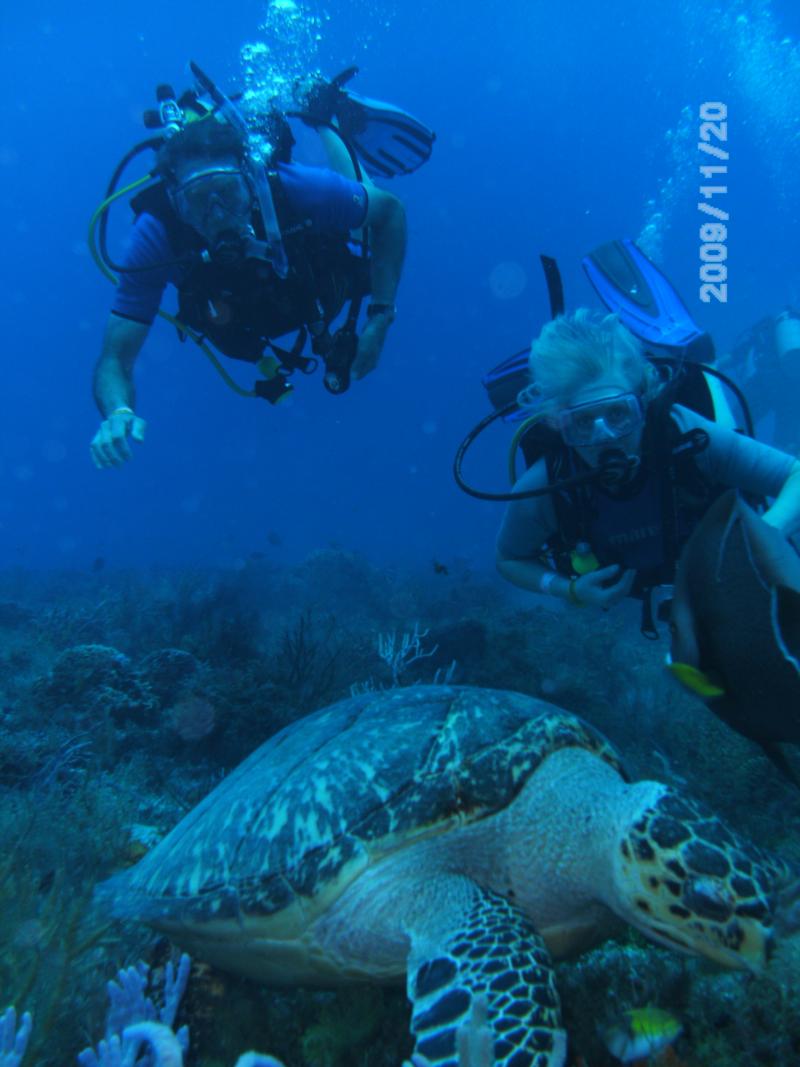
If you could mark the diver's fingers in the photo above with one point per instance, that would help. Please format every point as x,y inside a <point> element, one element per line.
<point>620,589</point>
<point>365,361</point>
<point>138,427</point>
<point>627,580</point>
<point>102,449</point>
<point>96,452</point>
<point>118,432</point>
<point>370,344</point>
<point>602,574</point>
<point>110,447</point>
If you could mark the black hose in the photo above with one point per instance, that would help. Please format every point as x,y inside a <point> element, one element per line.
<point>607,468</point>
<point>153,143</point>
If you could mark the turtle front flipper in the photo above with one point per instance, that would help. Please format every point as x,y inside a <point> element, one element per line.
<point>477,947</point>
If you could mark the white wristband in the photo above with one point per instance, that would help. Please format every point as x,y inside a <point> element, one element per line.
<point>546,581</point>
<point>124,410</point>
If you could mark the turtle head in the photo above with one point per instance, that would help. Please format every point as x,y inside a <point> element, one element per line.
<point>687,881</point>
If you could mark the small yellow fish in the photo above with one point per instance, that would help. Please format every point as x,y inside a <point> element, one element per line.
<point>695,680</point>
<point>640,1033</point>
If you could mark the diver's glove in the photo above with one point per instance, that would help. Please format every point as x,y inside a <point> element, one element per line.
<point>110,446</point>
<point>318,99</point>
<point>599,588</point>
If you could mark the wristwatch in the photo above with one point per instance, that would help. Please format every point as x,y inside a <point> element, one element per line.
<point>389,310</point>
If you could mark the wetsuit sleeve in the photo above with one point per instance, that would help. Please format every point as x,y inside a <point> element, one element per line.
<point>330,202</point>
<point>138,295</point>
<point>527,524</point>
<point>734,460</point>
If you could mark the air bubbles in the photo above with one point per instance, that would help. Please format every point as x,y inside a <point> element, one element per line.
<point>286,52</point>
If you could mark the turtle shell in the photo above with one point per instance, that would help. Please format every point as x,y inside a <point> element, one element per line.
<point>333,792</point>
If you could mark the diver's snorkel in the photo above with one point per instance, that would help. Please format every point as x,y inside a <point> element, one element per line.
<point>256,174</point>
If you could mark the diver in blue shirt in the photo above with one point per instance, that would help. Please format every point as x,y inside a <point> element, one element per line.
<point>256,250</point>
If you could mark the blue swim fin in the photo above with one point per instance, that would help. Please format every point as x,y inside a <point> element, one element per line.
<point>388,140</point>
<point>504,382</point>
<point>633,287</point>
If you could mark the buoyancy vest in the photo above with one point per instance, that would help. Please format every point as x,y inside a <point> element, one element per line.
<point>241,308</point>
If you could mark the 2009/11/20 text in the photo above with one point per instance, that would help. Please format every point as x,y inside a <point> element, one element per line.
<point>713,235</point>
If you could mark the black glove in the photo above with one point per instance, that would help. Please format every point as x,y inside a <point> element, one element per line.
<point>319,99</point>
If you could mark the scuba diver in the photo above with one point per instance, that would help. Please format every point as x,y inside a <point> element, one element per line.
<point>625,449</point>
<point>257,245</point>
<point>766,360</point>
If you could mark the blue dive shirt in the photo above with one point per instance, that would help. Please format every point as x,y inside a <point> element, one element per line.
<point>326,201</point>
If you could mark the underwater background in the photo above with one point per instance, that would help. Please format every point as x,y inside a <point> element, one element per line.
<point>159,621</point>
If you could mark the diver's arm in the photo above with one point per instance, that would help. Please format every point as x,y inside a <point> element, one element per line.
<point>114,391</point>
<point>113,372</point>
<point>750,466</point>
<point>386,220</point>
<point>784,514</point>
<point>528,574</point>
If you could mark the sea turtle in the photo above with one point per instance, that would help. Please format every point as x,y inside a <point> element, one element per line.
<point>459,837</point>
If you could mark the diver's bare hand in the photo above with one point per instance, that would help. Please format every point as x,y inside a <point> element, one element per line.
<point>597,588</point>
<point>110,445</point>
<point>370,344</point>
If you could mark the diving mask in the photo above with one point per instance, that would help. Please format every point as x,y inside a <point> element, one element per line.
<point>600,421</point>
<point>211,196</point>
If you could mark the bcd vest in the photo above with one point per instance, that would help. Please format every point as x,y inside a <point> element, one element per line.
<point>241,308</point>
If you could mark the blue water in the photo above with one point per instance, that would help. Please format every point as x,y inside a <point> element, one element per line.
<point>559,127</point>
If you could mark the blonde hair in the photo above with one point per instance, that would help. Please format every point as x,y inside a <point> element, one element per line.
<point>575,350</point>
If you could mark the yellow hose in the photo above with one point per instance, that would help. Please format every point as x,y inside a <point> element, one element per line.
<point>95,219</point>
<point>181,327</point>
<point>519,433</point>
